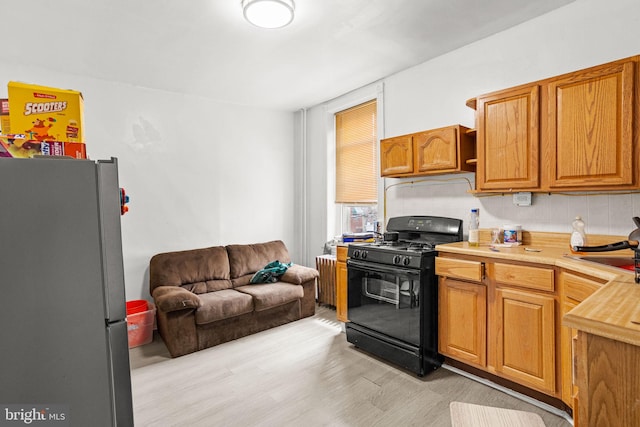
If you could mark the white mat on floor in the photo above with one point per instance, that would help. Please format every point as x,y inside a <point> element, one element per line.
<point>469,415</point>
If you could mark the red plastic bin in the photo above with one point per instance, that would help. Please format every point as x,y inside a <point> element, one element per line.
<point>140,322</point>
<point>137,306</point>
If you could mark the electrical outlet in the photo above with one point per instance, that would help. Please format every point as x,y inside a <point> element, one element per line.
<point>522,199</point>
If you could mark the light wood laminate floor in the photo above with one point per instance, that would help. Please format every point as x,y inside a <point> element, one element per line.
<point>301,374</point>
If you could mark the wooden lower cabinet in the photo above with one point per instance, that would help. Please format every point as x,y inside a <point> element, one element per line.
<point>505,318</point>
<point>463,303</point>
<point>567,340</point>
<point>524,332</point>
<point>608,385</point>
<point>574,289</point>
<point>341,283</point>
<point>500,317</point>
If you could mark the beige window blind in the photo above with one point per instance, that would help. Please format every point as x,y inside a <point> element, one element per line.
<point>356,174</point>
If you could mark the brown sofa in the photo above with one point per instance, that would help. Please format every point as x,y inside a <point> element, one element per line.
<point>204,296</point>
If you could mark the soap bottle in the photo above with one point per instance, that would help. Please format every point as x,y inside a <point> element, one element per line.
<point>578,237</point>
<point>474,223</point>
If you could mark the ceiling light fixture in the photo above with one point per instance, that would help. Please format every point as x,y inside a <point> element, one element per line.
<point>268,13</point>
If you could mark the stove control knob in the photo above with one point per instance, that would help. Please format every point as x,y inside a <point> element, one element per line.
<point>364,255</point>
<point>396,259</point>
<point>406,261</point>
<point>356,253</point>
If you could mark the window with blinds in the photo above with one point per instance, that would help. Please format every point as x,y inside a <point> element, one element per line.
<point>356,174</point>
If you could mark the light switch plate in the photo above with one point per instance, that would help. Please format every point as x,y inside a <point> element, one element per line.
<point>522,199</point>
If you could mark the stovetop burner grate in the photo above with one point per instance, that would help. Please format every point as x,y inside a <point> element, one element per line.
<point>412,241</point>
<point>404,244</point>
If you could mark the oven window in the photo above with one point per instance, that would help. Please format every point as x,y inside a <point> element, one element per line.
<point>385,302</point>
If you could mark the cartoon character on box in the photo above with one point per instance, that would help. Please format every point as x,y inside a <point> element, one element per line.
<point>18,143</point>
<point>40,130</point>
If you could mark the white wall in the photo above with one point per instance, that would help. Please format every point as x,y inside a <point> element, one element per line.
<point>199,173</point>
<point>433,94</point>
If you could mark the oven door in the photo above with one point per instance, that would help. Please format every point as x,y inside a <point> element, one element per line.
<point>385,299</point>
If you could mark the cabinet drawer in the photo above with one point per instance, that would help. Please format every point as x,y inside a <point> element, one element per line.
<point>525,276</point>
<point>460,269</point>
<point>578,288</point>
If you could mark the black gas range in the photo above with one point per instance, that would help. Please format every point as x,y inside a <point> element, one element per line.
<point>393,291</point>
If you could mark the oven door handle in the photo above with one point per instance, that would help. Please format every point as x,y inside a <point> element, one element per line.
<point>367,266</point>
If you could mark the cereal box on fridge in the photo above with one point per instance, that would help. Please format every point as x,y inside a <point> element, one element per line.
<point>45,113</point>
<point>4,116</point>
<point>22,147</point>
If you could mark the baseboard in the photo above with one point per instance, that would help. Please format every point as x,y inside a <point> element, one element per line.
<point>523,397</point>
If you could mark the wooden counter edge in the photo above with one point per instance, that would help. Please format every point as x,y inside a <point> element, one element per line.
<point>620,296</point>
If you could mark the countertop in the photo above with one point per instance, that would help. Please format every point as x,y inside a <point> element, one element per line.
<point>611,312</point>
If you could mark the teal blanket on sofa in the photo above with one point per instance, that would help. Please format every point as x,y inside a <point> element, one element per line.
<point>271,272</point>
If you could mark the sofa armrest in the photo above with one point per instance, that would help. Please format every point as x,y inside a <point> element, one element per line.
<point>174,298</point>
<point>299,274</point>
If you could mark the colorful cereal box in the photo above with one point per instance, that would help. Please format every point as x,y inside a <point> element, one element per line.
<point>5,127</point>
<point>77,150</point>
<point>22,147</point>
<point>44,113</point>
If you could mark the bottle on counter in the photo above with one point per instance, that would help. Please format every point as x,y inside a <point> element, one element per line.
<point>474,224</point>
<point>578,236</point>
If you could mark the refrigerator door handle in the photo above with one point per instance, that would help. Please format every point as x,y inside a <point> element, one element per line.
<point>112,265</point>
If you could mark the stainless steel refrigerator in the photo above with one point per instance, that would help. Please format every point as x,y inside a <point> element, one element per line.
<point>63,332</point>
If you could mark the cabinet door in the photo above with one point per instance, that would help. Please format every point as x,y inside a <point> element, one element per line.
<point>574,289</point>
<point>525,338</point>
<point>436,150</point>
<point>590,129</point>
<point>567,335</point>
<point>607,381</point>
<point>508,139</point>
<point>396,156</point>
<point>341,284</point>
<point>462,321</point>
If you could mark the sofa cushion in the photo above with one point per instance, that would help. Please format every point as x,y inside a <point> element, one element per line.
<point>222,305</point>
<point>270,295</point>
<point>197,270</point>
<point>208,286</point>
<point>299,274</point>
<point>247,259</point>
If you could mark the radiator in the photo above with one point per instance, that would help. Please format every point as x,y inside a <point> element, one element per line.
<point>326,266</point>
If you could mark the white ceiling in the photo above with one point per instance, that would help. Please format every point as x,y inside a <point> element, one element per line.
<point>205,48</point>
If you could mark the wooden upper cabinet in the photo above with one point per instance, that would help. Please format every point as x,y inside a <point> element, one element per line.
<point>396,156</point>
<point>590,127</point>
<point>436,151</point>
<point>508,139</point>
<point>574,132</point>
